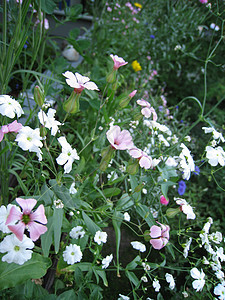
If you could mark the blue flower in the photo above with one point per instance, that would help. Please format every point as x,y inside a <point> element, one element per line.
<point>181,187</point>
<point>152,36</point>
<point>197,170</point>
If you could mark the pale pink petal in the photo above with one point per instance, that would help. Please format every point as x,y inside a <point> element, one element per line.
<point>143,103</point>
<point>39,215</point>
<point>5,129</point>
<point>26,204</point>
<point>157,243</point>
<point>135,153</point>
<point>145,162</point>
<point>91,86</point>
<point>14,215</point>
<point>36,230</point>
<point>146,112</point>
<point>71,79</point>
<point>81,79</point>
<point>15,126</point>
<point>112,134</point>
<point>155,231</point>
<point>1,135</point>
<point>18,230</point>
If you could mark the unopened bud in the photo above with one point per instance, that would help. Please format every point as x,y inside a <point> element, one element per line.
<point>172,212</point>
<point>147,235</point>
<point>132,167</point>
<point>39,96</point>
<point>72,105</point>
<point>111,77</point>
<point>107,155</point>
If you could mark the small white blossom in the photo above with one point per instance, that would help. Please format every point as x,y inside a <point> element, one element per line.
<point>144,278</point>
<point>126,217</point>
<point>100,237</point>
<point>171,162</point>
<point>10,107</point>
<point>106,261</point>
<point>199,283</point>
<point>187,247</point>
<point>186,208</point>
<point>216,237</point>
<point>138,246</point>
<point>18,251</point>
<point>58,203</point>
<point>72,254</point>
<point>170,280</point>
<point>72,189</point>
<point>144,191</point>
<point>215,156</point>
<point>156,285</point>
<point>214,27</point>
<point>219,290</point>
<point>122,297</point>
<point>186,162</point>
<point>146,267</point>
<point>49,120</point>
<point>67,156</point>
<point>216,135</point>
<point>77,232</point>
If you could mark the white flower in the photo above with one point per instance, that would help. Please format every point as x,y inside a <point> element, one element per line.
<point>72,254</point>
<point>186,208</point>
<point>219,274</point>
<point>72,189</point>
<point>186,162</point>
<point>126,217</point>
<point>100,237</point>
<point>163,140</point>
<point>18,252</point>
<point>144,191</point>
<point>170,280</point>
<point>10,107</point>
<point>58,203</point>
<point>216,135</point>
<point>219,290</point>
<point>214,27</point>
<point>156,285</point>
<point>220,254</point>
<point>106,261</point>
<point>144,279</point>
<point>30,139</point>
<point>4,212</point>
<point>146,267</point>
<point>49,120</point>
<point>67,156</point>
<point>171,162</point>
<point>187,247</point>
<point>77,232</point>
<point>199,283</point>
<point>215,156</point>
<point>79,82</point>
<point>185,294</point>
<point>216,237</point>
<point>138,246</point>
<point>122,297</point>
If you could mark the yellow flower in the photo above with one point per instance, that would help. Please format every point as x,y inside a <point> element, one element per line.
<point>136,66</point>
<point>138,5</point>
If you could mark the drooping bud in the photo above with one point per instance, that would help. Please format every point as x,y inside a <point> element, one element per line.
<point>72,105</point>
<point>107,155</point>
<point>39,96</point>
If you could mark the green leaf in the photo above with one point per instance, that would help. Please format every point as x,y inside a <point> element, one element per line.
<point>133,264</point>
<point>13,274</point>
<point>102,274</point>
<point>124,202</point>
<point>67,295</point>
<point>117,221</point>
<point>92,227</point>
<point>48,6</point>
<point>145,213</point>
<point>84,267</point>
<point>62,193</point>
<point>133,278</point>
<point>46,239</point>
<point>110,192</point>
<point>21,184</point>
<point>57,223</point>
<point>74,33</point>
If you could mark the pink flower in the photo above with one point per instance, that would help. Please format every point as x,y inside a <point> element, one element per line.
<point>145,161</point>
<point>160,236</point>
<point>120,140</point>
<point>27,219</point>
<point>147,110</point>
<point>12,127</point>
<point>163,200</point>
<point>203,1</point>
<point>118,61</point>
<point>132,94</point>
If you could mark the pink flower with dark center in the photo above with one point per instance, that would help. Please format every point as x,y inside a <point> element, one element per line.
<point>120,140</point>
<point>27,219</point>
<point>12,127</point>
<point>163,200</point>
<point>147,110</point>
<point>118,61</point>
<point>79,82</point>
<point>160,236</point>
<point>145,161</point>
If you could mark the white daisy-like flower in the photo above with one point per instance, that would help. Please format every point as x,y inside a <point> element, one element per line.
<point>79,82</point>
<point>186,208</point>
<point>126,217</point>
<point>187,247</point>
<point>67,156</point>
<point>72,254</point>
<point>10,107</point>
<point>199,283</point>
<point>138,246</point>
<point>49,120</point>
<point>18,251</point>
<point>156,285</point>
<point>72,189</point>
<point>170,280</point>
<point>215,156</point>
<point>219,290</point>
<point>106,261</point>
<point>100,237</point>
<point>30,139</point>
<point>77,232</point>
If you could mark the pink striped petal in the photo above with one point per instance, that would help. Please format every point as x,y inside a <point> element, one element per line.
<point>26,204</point>
<point>157,243</point>
<point>1,135</point>
<point>18,230</point>
<point>155,231</point>
<point>14,215</point>
<point>39,215</point>
<point>36,230</point>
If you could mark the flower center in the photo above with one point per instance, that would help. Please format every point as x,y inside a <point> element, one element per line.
<point>72,253</point>
<point>16,248</point>
<point>29,138</point>
<point>26,219</point>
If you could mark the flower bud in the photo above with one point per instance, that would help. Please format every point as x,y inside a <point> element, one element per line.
<point>111,77</point>
<point>163,200</point>
<point>107,155</point>
<point>39,96</point>
<point>43,131</point>
<point>132,167</point>
<point>72,105</point>
<point>172,212</point>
